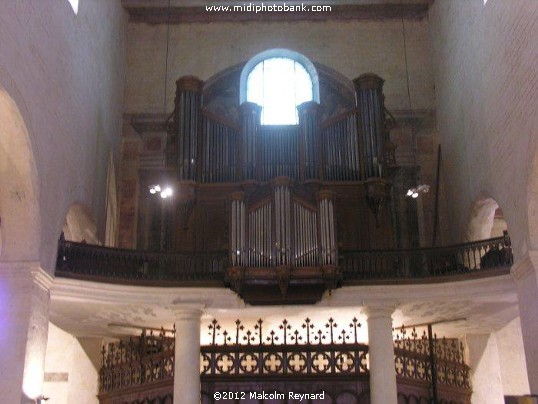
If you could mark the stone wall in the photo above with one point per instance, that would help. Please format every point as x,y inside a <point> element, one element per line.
<point>486,82</point>
<point>71,368</point>
<point>351,48</point>
<point>65,72</point>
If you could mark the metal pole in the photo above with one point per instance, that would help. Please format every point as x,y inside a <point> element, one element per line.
<point>435,398</point>
<point>436,208</point>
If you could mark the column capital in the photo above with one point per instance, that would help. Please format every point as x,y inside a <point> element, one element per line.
<point>188,312</point>
<point>42,278</point>
<point>385,310</point>
<point>26,271</point>
<point>526,266</point>
<point>189,83</point>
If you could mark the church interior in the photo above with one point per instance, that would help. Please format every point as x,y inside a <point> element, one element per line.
<point>304,201</point>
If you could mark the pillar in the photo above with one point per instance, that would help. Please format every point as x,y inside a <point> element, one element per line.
<point>24,320</point>
<point>187,355</point>
<point>483,359</point>
<point>383,388</point>
<point>526,277</point>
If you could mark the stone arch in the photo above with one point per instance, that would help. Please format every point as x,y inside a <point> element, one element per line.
<point>79,225</point>
<point>20,224</point>
<point>486,220</point>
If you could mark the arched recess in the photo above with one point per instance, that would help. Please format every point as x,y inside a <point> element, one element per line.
<point>20,224</point>
<point>486,220</point>
<point>79,226</point>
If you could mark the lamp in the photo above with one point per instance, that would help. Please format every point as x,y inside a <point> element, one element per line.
<point>164,192</point>
<point>420,189</point>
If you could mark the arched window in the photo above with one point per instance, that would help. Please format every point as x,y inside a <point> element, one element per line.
<point>279,80</point>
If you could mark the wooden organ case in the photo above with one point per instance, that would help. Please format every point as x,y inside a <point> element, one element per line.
<point>283,201</point>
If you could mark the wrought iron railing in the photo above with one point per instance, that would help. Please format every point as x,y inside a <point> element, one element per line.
<point>80,260</point>
<point>83,260</point>
<point>138,361</point>
<point>285,351</point>
<point>288,352</point>
<point>470,258</point>
<point>417,356</point>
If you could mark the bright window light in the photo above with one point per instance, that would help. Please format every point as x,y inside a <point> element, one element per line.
<point>74,4</point>
<point>279,85</point>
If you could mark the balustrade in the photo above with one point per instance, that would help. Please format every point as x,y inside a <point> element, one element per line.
<point>106,264</point>
<point>469,258</point>
<point>79,260</point>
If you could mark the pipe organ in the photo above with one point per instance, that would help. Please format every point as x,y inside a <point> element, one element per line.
<point>284,201</point>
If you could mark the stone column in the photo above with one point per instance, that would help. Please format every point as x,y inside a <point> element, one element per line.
<point>24,321</point>
<point>383,388</point>
<point>187,355</point>
<point>483,359</point>
<point>526,276</point>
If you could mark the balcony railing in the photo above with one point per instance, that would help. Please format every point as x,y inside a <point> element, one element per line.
<point>482,258</point>
<point>479,257</point>
<point>77,260</point>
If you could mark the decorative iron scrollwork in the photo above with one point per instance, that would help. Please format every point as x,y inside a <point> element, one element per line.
<point>305,349</point>
<point>413,359</point>
<point>145,359</point>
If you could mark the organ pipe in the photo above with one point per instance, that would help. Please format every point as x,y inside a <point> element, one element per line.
<point>260,236</point>
<point>250,125</point>
<point>237,229</point>
<point>282,200</point>
<point>186,125</point>
<point>309,146</point>
<point>370,101</point>
<point>327,227</point>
